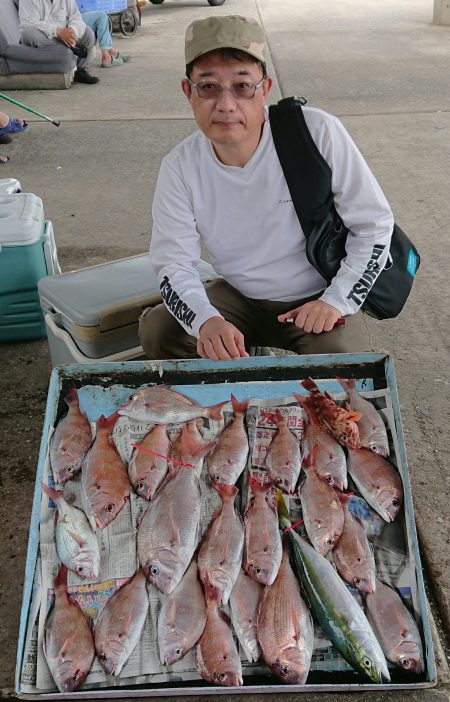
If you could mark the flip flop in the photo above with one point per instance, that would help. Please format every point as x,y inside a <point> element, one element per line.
<point>114,62</point>
<point>14,127</point>
<point>125,57</point>
<point>2,162</point>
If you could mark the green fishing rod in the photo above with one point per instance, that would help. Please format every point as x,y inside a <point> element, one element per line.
<point>56,122</point>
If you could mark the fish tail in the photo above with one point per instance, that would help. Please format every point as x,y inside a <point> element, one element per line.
<point>60,582</point>
<point>215,411</point>
<point>226,491</point>
<point>256,486</point>
<point>310,385</point>
<point>238,407</point>
<point>270,416</point>
<point>348,384</point>
<point>309,463</point>
<point>108,422</point>
<point>72,397</point>
<point>54,495</point>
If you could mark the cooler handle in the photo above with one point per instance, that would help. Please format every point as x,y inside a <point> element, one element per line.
<point>51,254</point>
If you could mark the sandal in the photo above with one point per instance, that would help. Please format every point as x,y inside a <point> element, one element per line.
<point>3,159</point>
<point>114,62</point>
<point>125,57</point>
<point>14,126</point>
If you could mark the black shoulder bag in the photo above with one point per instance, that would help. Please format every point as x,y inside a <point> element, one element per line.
<point>308,176</point>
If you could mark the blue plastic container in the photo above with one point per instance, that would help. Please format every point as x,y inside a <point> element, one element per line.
<point>27,253</point>
<point>104,5</point>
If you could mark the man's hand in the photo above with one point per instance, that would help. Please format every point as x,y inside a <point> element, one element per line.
<point>67,35</point>
<point>220,341</point>
<point>315,316</point>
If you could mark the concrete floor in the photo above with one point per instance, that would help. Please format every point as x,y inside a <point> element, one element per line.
<point>384,69</point>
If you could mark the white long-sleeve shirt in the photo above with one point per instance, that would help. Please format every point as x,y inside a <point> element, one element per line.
<point>246,221</point>
<point>49,16</point>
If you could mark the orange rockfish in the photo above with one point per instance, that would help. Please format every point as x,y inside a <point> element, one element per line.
<point>228,459</point>
<point>339,422</point>
<point>372,432</point>
<point>285,627</point>
<point>322,511</point>
<point>161,405</point>
<point>105,485</point>
<point>263,550</point>
<point>148,465</point>
<point>70,442</point>
<point>68,642</point>
<point>220,555</point>
<point>282,459</point>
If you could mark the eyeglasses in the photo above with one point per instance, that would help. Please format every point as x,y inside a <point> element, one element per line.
<point>213,91</point>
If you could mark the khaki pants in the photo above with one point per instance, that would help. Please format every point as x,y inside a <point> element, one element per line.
<point>162,337</point>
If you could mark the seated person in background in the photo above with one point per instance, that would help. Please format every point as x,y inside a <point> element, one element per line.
<point>8,126</point>
<point>99,23</point>
<point>44,22</point>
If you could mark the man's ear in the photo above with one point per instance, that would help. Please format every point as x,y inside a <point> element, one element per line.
<point>267,86</point>
<point>186,88</point>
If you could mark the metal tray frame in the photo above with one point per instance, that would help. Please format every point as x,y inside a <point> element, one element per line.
<point>378,368</point>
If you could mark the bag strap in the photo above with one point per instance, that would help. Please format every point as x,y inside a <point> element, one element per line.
<point>307,174</point>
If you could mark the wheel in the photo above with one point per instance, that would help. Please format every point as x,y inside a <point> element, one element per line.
<point>129,22</point>
<point>214,2</point>
<point>157,2</point>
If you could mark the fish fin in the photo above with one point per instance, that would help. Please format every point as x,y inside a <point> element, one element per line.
<point>62,653</point>
<point>77,538</point>
<point>60,582</point>
<point>175,533</point>
<point>54,495</point>
<point>126,626</point>
<point>270,416</point>
<point>354,416</point>
<point>238,407</point>
<point>108,422</point>
<point>310,385</point>
<point>226,492</point>
<point>215,411</point>
<point>72,397</point>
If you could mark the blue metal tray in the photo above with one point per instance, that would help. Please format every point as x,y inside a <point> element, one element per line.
<point>208,382</point>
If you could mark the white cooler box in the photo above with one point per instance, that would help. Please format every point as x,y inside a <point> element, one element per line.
<point>92,314</point>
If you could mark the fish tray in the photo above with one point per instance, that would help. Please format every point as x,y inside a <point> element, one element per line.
<point>104,386</point>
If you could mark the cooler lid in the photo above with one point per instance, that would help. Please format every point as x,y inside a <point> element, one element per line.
<point>108,296</point>
<point>21,219</point>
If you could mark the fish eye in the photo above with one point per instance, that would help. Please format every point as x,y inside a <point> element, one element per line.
<point>259,570</point>
<point>395,502</point>
<point>222,676</point>
<point>110,508</point>
<point>76,675</point>
<point>69,469</point>
<point>330,540</point>
<point>329,478</point>
<point>284,670</point>
<point>103,656</point>
<point>80,570</point>
<point>357,581</point>
<point>279,480</point>
<point>154,570</point>
<point>367,662</point>
<point>140,485</point>
<point>178,651</point>
<point>405,663</point>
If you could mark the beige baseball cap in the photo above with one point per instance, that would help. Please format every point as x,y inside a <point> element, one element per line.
<point>221,32</point>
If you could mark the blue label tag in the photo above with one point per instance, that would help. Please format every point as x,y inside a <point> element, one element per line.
<point>412,263</point>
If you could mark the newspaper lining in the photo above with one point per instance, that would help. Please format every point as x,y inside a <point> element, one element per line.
<point>119,560</point>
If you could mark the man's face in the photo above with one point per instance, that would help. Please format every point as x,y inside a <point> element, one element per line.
<point>226,120</point>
